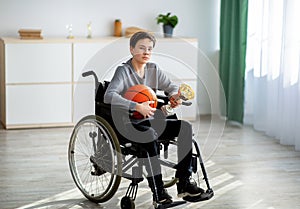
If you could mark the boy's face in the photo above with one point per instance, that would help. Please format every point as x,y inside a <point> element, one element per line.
<point>142,50</point>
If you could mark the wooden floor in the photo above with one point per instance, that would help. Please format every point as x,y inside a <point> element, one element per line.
<point>246,170</point>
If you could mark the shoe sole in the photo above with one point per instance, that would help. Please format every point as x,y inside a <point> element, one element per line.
<point>181,195</point>
<point>163,202</point>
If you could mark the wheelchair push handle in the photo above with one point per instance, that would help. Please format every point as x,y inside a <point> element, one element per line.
<point>89,73</point>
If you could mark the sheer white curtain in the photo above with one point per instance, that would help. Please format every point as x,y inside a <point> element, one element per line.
<point>272,80</point>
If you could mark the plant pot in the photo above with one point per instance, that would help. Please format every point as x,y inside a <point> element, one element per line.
<point>168,31</point>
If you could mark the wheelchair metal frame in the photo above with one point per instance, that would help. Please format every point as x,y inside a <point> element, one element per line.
<point>104,134</point>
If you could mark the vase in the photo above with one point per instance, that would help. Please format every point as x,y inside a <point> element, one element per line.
<point>118,28</point>
<point>168,31</point>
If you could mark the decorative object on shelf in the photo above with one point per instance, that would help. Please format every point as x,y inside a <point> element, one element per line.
<point>131,30</point>
<point>118,28</point>
<point>89,28</point>
<point>169,22</point>
<point>30,34</point>
<point>70,31</point>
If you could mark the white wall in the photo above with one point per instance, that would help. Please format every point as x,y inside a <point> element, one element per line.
<point>197,18</point>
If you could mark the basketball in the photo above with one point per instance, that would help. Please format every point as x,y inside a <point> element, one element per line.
<point>141,93</point>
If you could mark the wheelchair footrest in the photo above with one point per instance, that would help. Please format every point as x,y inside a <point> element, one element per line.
<point>202,197</point>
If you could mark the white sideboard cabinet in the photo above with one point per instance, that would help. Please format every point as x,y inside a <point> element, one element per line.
<point>36,87</point>
<point>42,84</point>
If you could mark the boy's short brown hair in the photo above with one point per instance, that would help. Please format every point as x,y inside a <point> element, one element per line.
<point>141,35</point>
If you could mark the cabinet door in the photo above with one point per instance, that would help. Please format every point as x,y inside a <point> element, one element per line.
<point>83,53</point>
<point>100,57</point>
<point>84,88</point>
<point>83,100</point>
<point>175,68</point>
<point>38,63</point>
<point>38,104</point>
<point>38,84</point>
<point>177,57</point>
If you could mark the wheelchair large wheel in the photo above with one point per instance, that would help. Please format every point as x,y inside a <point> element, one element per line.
<point>94,158</point>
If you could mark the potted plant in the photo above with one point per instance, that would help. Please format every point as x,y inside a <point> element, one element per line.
<point>169,22</point>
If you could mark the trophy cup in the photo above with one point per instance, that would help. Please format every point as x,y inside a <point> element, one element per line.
<point>70,31</point>
<point>185,93</point>
<point>89,28</point>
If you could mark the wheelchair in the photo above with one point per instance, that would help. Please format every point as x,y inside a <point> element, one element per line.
<point>99,157</point>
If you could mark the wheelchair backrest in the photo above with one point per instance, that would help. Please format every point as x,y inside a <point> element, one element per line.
<point>102,109</point>
<point>101,91</point>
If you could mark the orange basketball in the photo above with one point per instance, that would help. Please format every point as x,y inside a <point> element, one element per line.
<point>141,93</point>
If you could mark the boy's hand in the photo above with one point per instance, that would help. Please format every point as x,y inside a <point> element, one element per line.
<point>175,100</point>
<point>145,109</point>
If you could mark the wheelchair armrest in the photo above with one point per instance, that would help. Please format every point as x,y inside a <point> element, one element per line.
<point>162,100</point>
<point>105,110</point>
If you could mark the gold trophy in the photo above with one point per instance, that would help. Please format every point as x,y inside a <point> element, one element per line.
<point>70,31</point>
<point>89,28</point>
<point>185,93</point>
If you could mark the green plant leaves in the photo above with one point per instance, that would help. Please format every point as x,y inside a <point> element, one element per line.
<point>167,19</point>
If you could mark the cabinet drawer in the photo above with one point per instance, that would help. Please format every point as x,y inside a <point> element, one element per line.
<point>38,104</point>
<point>102,58</point>
<point>38,63</point>
<point>83,100</point>
<point>177,58</point>
<point>83,53</point>
<point>175,68</point>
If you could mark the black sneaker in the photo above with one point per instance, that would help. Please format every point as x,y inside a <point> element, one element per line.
<point>163,197</point>
<point>186,188</point>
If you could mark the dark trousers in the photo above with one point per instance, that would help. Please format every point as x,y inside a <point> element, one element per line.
<point>146,133</point>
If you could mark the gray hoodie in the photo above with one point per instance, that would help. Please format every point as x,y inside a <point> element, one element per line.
<point>125,77</point>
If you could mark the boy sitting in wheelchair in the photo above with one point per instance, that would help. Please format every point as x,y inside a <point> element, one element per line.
<point>154,125</point>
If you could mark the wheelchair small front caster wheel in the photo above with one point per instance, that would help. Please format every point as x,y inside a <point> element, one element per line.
<point>127,203</point>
